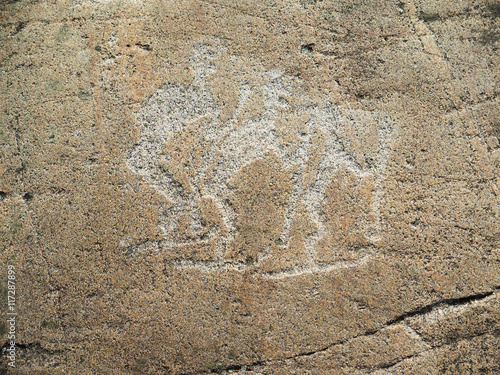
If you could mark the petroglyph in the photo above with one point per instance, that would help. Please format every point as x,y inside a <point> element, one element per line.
<point>259,175</point>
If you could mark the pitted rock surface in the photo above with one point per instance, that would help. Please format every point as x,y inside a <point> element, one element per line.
<point>261,187</point>
<point>294,153</point>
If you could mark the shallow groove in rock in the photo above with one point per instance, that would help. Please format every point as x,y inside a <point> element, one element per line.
<point>420,311</point>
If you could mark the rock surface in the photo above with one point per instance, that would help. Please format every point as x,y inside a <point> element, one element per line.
<point>267,187</point>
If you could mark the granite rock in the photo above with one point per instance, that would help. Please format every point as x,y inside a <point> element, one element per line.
<point>264,187</point>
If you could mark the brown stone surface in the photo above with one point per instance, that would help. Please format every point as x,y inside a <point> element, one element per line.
<point>261,186</point>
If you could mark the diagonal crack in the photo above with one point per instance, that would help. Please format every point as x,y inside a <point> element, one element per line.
<point>395,363</point>
<point>420,311</point>
<point>450,302</point>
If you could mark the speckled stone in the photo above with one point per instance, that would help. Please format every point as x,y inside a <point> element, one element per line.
<point>262,187</point>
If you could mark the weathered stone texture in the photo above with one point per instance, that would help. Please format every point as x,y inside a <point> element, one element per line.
<point>268,186</point>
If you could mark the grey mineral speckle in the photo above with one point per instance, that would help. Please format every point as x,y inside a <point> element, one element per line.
<point>259,187</point>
